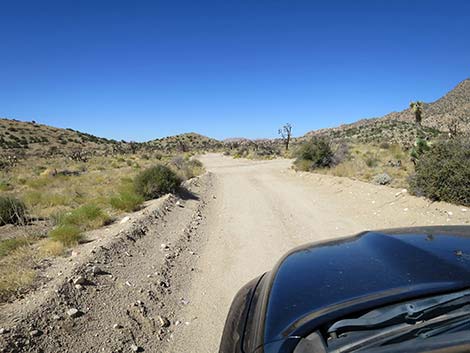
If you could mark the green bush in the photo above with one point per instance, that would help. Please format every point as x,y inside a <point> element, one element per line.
<point>12,211</point>
<point>443,172</point>
<point>67,234</point>
<point>316,153</point>
<point>156,181</point>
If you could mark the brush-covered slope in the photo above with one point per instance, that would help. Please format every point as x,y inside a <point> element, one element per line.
<point>400,127</point>
<point>31,138</point>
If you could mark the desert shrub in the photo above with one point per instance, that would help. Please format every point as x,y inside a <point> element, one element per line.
<point>192,168</point>
<point>316,153</point>
<point>443,173</point>
<point>67,234</point>
<point>382,179</point>
<point>85,217</point>
<point>12,211</point>
<point>156,181</point>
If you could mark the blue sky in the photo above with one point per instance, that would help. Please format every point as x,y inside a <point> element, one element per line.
<point>138,70</point>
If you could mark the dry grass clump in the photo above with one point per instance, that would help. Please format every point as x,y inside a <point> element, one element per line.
<point>69,235</point>
<point>7,246</point>
<point>17,271</point>
<point>12,211</point>
<point>85,217</point>
<point>49,247</point>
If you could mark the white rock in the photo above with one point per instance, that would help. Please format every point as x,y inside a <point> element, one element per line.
<point>124,220</point>
<point>79,280</point>
<point>73,313</point>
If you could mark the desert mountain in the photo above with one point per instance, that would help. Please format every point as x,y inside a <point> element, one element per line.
<point>399,126</point>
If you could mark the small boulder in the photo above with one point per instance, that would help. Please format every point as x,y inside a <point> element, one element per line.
<point>164,322</point>
<point>74,313</point>
<point>35,333</point>
<point>80,280</point>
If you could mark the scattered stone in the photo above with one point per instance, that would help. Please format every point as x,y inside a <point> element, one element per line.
<point>80,280</point>
<point>124,220</point>
<point>35,333</point>
<point>56,317</point>
<point>136,348</point>
<point>117,326</point>
<point>184,301</point>
<point>4,330</point>
<point>128,284</point>
<point>179,204</point>
<point>164,322</point>
<point>78,286</point>
<point>74,313</point>
<point>96,270</point>
<point>164,246</point>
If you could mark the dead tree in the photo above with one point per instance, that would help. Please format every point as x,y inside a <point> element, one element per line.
<point>286,134</point>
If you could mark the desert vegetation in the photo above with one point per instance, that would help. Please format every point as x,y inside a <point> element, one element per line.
<point>47,203</point>
<point>443,172</point>
<point>436,165</point>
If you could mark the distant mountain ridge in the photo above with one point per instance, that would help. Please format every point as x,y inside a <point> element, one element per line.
<point>29,138</point>
<point>399,126</point>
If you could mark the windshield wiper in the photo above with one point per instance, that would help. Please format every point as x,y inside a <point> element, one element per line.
<point>404,331</point>
<point>410,312</point>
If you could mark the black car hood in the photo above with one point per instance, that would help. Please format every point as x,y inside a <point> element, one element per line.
<point>317,283</point>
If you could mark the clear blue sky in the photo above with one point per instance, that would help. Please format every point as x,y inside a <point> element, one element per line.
<point>138,70</point>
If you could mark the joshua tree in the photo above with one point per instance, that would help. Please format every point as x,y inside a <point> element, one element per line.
<point>286,133</point>
<point>417,108</point>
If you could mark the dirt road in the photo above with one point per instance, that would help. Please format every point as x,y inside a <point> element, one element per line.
<point>263,209</point>
<point>168,281</point>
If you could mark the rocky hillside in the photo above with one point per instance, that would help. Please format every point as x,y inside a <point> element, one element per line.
<point>30,138</point>
<point>185,143</point>
<point>399,126</point>
<point>23,139</point>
